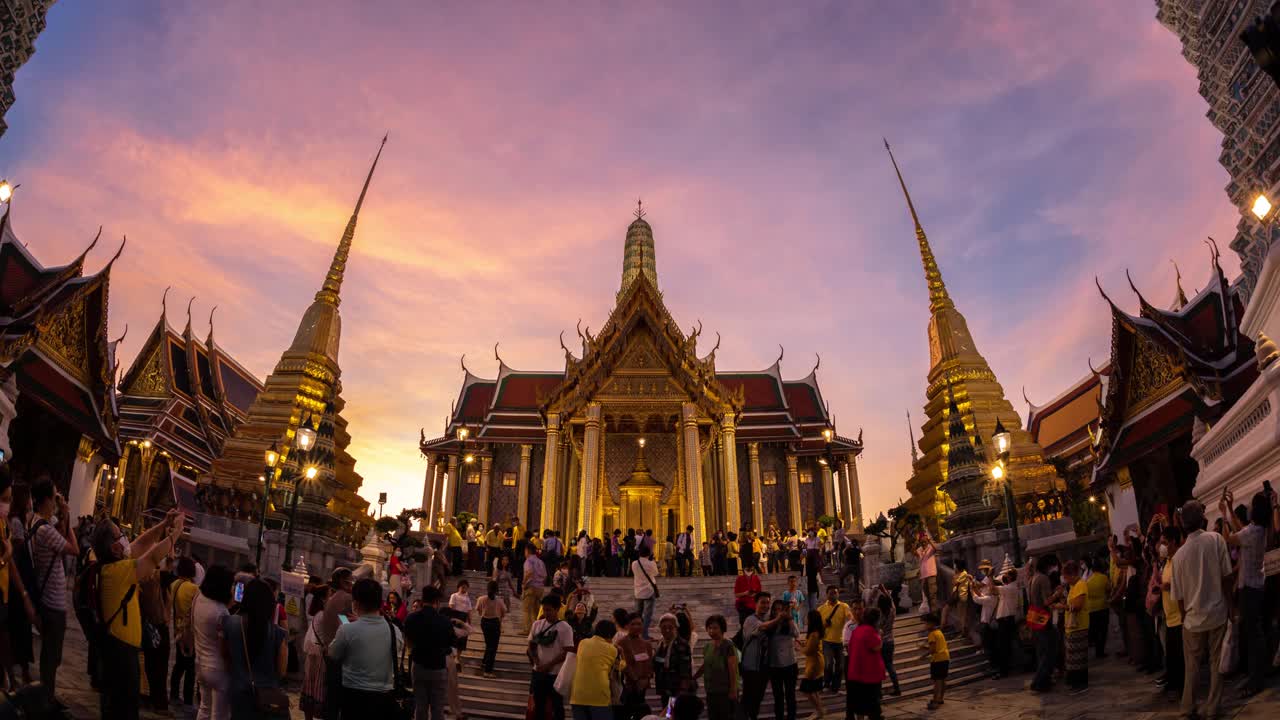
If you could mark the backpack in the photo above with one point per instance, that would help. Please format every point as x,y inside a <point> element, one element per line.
<point>88,597</point>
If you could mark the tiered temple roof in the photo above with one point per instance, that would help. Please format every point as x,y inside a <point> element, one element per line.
<point>185,395</point>
<point>53,337</point>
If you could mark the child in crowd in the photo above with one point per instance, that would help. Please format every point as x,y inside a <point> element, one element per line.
<point>935,648</point>
<point>719,671</point>
<point>794,597</point>
<point>704,559</point>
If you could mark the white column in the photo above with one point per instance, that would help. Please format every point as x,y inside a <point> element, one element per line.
<point>452,483</point>
<point>84,475</point>
<point>793,490</point>
<point>522,485</point>
<point>486,470</point>
<point>847,511</point>
<point>828,490</point>
<point>757,497</point>
<point>729,454</point>
<point>693,469</point>
<point>428,493</point>
<point>588,507</point>
<point>550,471</point>
<point>855,493</point>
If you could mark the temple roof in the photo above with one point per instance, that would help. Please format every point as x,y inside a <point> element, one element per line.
<point>1168,367</point>
<point>53,336</point>
<point>185,395</point>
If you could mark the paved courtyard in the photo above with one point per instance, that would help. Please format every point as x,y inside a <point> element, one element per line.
<point>1116,691</point>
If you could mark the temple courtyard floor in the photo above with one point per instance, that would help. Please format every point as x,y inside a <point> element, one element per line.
<point>1116,691</point>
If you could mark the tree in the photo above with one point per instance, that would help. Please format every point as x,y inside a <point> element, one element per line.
<point>903,523</point>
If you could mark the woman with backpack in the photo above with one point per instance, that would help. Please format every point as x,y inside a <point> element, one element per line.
<point>121,567</point>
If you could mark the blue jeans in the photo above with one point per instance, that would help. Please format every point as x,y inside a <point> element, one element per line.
<point>645,608</point>
<point>886,654</point>
<point>592,712</point>
<point>1046,657</point>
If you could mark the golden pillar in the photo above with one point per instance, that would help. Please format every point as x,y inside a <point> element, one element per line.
<point>693,469</point>
<point>451,484</point>
<point>147,457</point>
<point>757,496</point>
<point>486,470</point>
<point>793,491</point>
<point>550,470</point>
<point>729,455</point>
<point>428,493</point>
<point>522,485</point>
<point>589,506</point>
<point>828,490</point>
<point>854,493</point>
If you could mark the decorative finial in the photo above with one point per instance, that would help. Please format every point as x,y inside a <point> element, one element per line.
<point>1266,352</point>
<point>911,433</point>
<point>495,354</point>
<point>463,362</point>
<point>938,297</point>
<point>781,351</point>
<point>329,292</point>
<point>122,335</point>
<point>816,365</point>
<point>164,309</point>
<point>639,209</point>
<point>211,312</point>
<point>192,300</point>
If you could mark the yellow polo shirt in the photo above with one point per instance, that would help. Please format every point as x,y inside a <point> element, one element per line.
<point>596,657</point>
<point>833,620</point>
<point>1097,586</point>
<point>114,582</point>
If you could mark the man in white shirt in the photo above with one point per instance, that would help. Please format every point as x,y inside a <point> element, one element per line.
<point>550,640</point>
<point>1201,583</point>
<point>684,552</point>
<point>644,576</point>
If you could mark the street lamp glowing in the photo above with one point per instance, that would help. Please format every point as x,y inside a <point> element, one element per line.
<point>146,444</point>
<point>304,438</point>
<point>1001,437</point>
<point>469,458</point>
<point>1093,499</point>
<point>311,472</point>
<point>641,442</point>
<point>272,456</point>
<point>463,433</point>
<point>1261,207</point>
<point>997,471</point>
<point>828,434</point>
<point>6,191</point>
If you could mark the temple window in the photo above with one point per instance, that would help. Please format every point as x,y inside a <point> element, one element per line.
<point>508,479</point>
<point>770,477</point>
<point>473,477</point>
<point>806,477</point>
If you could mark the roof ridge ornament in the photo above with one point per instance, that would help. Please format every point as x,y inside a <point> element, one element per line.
<point>639,209</point>
<point>189,302</point>
<point>1180,296</point>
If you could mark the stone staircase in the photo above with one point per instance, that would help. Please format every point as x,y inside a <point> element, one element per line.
<point>506,697</point>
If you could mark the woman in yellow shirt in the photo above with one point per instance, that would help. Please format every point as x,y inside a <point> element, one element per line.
<point>1076,625</point>
<point>731,555</point>
<point>811,681</point>
<point>122,565</point>
<point>598,659</point>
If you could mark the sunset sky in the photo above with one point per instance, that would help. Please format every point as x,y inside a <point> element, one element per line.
<point>1044,143</point>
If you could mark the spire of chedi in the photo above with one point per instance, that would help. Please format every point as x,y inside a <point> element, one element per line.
<point>960,382</point>
<point>637,254</point>
<point>306,387</point>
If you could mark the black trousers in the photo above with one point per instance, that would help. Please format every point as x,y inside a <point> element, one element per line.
<point>1099,628</point>
<point>492,628</point>
<point>118,672</point>
<point>754,683</point>
<point>1006,635</point>
<point>184,676</point>
<point>53,630</point>
<point>89,628</point>
<point>366,703</point>
<point>1174,662</point>
<point>547,703</point>
<point>156,662</point>
<point>783,683</point>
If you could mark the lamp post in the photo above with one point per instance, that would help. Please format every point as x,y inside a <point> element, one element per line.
<point>1003,441</point>
<point>304,438</point>
<point>271,456</point>
<point>6,191</point>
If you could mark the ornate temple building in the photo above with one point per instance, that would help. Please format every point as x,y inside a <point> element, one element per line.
<point>304,388</point>
<point>641,431</point>
<point>20,23</point>
<point>1243,103</point>
<point>57,369</point>
<point>957,369</point>
<point>1171,373</point>
<point>178,403</point>
<point>1066,426</point>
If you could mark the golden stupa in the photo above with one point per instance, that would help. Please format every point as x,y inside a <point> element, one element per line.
<point>306,387</point>
<point>956,367</point>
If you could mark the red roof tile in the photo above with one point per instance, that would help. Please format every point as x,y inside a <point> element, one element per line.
<point>759,389</point>
<point>803,401</point>
<point>522,391</point>
<point>476,403</point>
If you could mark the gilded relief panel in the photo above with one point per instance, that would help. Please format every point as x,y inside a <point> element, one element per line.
<point>1153,373</point>
<point>620,458</point>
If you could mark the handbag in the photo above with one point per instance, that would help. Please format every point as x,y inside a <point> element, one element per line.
<point>401,696</point>
<point>564,678</point>
<point>269,702</point>
<point>1038,617</point>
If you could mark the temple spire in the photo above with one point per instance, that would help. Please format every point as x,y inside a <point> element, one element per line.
<point>938,297</point>
<point>637,252</point>
<point>329,293</point>
<point>911,434</point>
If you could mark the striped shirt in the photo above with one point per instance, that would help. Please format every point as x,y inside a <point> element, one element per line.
<point>1253,545</point>
<point>47,545</point>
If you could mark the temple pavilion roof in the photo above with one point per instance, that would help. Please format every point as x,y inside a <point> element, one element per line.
<point>53,336</point>
<point>184,394</point>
